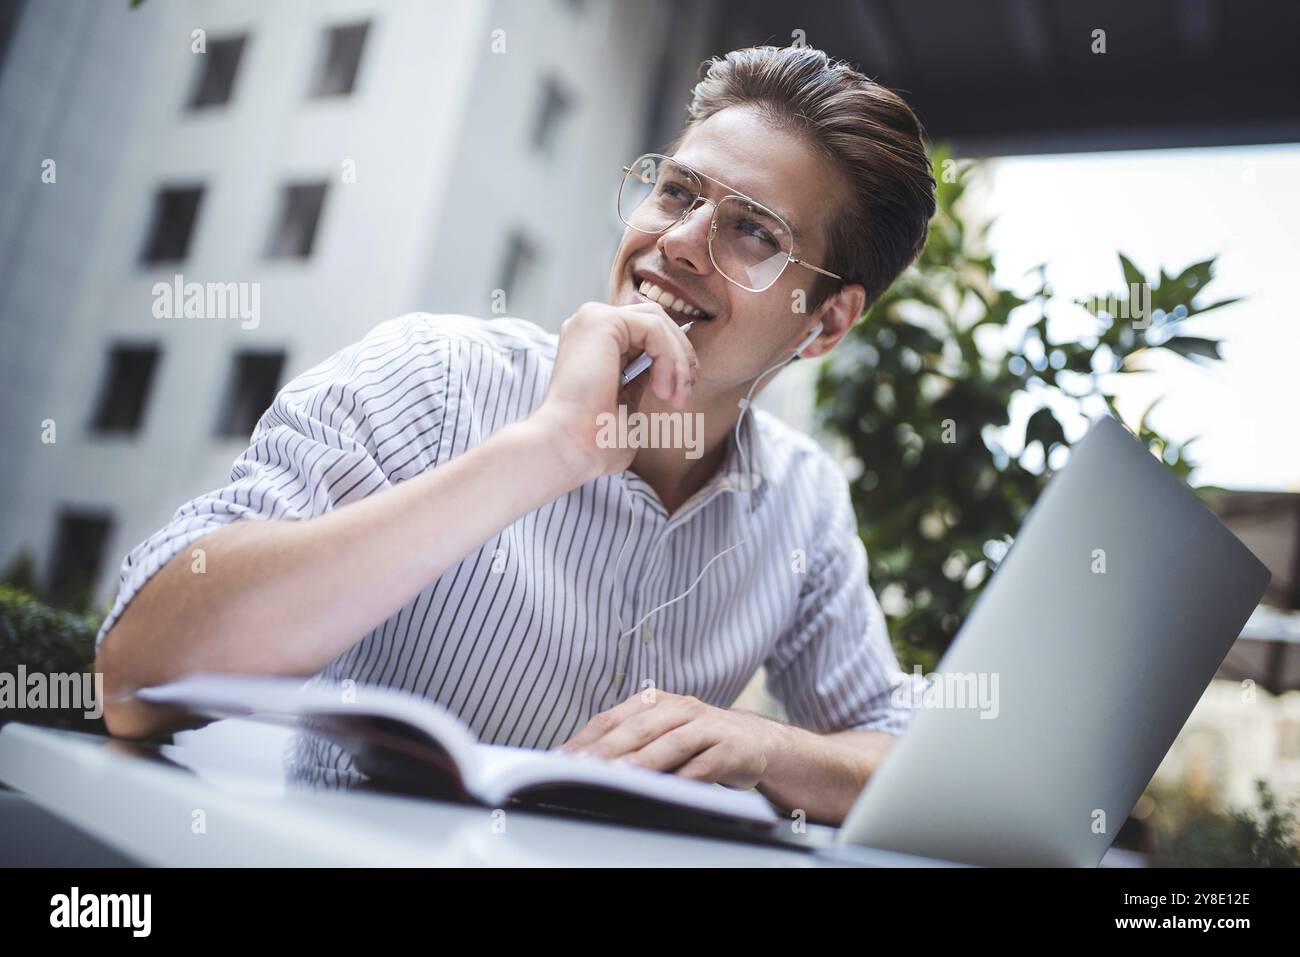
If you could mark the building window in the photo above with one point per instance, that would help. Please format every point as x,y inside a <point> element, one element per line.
<point>518,270</point>
<point>217,69</point>
<point>10,13</point>
<point>175,210</point>
<point>555,106</point>
<point>254,379</point>
<point>125,390</point>
<point>295,225</point>
<point>338,70</point>
<point>78,555</point>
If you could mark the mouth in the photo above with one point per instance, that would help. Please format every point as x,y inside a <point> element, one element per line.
<point>680,309</point>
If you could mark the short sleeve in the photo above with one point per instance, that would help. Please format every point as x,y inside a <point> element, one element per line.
<point>358,422</point>
<point>834,669</point>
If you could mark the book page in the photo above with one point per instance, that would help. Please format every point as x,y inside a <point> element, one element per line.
<point>377,717</point>
<point>506,772</point>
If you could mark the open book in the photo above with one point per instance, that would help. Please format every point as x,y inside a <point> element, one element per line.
<point>407,743</point>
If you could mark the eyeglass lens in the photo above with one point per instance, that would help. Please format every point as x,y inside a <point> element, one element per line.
<point>749,244</point>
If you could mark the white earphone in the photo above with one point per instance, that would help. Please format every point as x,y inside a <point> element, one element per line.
<point>744,407</point>
<point>812,337</point>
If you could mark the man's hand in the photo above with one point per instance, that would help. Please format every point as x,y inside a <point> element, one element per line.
<point>681,734</point>
<point>820,775</point>
<point>596,342</point>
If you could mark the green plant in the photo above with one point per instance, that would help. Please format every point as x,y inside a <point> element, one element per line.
<point>48,641</point>
<point>919,390</point>
<point>21,572</point>
<point>1194,833</point>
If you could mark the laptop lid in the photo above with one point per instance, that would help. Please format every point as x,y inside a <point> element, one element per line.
<point>1073,674</point>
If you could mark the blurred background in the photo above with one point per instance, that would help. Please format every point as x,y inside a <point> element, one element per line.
<point>352,160</point>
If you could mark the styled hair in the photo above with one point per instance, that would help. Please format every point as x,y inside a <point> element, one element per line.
<point>865,129</point>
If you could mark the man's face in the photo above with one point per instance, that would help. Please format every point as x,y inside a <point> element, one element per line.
<point>748,331</point>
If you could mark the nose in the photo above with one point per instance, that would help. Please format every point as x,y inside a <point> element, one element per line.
<point>686,242</point>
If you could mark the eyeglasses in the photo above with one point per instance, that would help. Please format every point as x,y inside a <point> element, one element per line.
<point>749,244</point>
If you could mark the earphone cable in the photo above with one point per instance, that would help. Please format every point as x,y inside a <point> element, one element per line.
<point>749,488</point>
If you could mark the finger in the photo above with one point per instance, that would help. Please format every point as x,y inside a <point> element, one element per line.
<point>640,324</point>
<point>687,367</point>
<point>692,359</point>
<point>654,331</point>
<point>663,374</point>
<point>671,750</point>
<point>684,360</point>
<point>640,729</point>
<point>601,724</point>
<point>657,311</point>
<point>706,766</point>
<point>670,364</point>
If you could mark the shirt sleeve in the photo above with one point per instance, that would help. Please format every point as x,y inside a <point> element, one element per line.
<point>362,420</point>
<point>834,669</point>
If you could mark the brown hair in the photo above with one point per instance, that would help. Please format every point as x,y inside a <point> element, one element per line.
<point>867,130</point>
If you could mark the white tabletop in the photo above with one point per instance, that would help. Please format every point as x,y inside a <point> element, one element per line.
<point>224,810</point>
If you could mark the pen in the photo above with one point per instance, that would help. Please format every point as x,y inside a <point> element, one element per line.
<point>642,362</point>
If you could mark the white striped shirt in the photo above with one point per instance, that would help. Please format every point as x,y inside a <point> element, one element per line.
<point>520,639</point>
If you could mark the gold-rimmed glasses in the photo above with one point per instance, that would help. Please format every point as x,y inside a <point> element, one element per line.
<point>749,244</point>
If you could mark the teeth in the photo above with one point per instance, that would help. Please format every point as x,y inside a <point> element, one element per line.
<point>666,299</point>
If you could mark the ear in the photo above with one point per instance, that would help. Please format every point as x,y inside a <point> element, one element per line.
<point>837,314</point>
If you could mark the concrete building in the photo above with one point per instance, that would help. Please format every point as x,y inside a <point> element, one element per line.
<point>334,163</point>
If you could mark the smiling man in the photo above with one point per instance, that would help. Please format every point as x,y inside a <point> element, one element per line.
<point>434,508</point>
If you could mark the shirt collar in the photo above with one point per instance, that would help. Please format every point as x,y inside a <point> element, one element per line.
<point>738,473</point>
<point>741,473</point>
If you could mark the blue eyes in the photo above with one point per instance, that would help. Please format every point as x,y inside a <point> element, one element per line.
<point>750,229</point>
<point>757,232</point>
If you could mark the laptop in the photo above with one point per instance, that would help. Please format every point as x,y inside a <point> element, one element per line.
<point>1071,677</point>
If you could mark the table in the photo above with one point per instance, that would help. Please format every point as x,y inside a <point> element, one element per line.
<point>187,805</point>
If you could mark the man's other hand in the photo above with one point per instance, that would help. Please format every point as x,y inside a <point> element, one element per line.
<point>682,735</point>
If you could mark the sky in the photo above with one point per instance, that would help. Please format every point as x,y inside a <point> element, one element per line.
<point>1172,208</point>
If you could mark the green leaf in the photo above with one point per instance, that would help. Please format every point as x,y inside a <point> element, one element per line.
<point>1131,272</point>
<point>1043,428</point>
<point>1196,275</point>
<point>1201,310</point>
<point>1190,347</point>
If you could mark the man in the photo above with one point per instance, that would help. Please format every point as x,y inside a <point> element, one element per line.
<point>438,508</point>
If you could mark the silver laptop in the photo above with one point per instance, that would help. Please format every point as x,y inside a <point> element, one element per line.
<point>1073,674</point>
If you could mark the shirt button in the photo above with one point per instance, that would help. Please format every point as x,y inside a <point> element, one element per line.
<point>647,635</point>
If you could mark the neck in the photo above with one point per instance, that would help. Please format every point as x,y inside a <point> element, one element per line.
<point>678,473</point>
